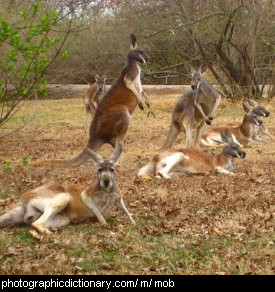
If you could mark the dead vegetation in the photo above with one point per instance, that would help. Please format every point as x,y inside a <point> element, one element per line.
<point>195,224</point>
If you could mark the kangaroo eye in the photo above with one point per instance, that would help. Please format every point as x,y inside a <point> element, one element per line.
<point>100,169</point>
<point>112,169</point>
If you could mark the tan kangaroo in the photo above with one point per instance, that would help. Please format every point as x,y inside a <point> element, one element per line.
<point>193,110</point>
<point>94,94</point>
<point>172,161</point>
<point>112,117</point>
<point>242,134</point>
<point>52,206</point>
<point>260,111</point>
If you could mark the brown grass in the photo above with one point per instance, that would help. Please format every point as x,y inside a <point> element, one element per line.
<point>194,224</point>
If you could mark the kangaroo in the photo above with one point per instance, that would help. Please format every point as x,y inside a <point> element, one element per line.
<point>53,206</point>
<point>190,111</point>
<point>112,117</point>
<point>172,161</point>
<point>94,94</point>
<point>242,134</point>
<point>260,111</point>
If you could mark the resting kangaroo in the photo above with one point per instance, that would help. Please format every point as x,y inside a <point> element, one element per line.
<point>260,111</point>
<point>242,134</point>
<point>94,94</point>
<point>112,117</point>
<point>52,205</point>
<point>172,161</point>
<point>193,110</point>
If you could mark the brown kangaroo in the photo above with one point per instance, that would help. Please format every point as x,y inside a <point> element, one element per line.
<point>260,111</point>
<point>94,94</point>
<point>191,110</point>
<point>172,161</point>
<point>112,117</point>
<point>52,206</point>
<point>242,134</point>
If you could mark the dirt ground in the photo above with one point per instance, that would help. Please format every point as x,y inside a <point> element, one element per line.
<point>193,224</point>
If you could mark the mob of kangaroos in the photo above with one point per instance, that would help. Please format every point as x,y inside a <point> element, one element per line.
<point>52,206</point>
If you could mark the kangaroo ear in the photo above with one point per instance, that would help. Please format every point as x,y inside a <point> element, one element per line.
<point>96,158</point>
<point>115,156</point>
<point>246,108</point>
<point>133,41</point>
<point>104,77</point>
<point>192,69</point>
<point>202,68</point>
<point>96,77</point>
<point>227,137</point>
<point>251,102</point>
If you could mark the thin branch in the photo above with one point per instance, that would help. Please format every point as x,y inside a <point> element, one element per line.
<point>185,24</point>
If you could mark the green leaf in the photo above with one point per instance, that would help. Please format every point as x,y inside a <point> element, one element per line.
<point>9,69</point>
<point>15,40</point>
<point>43,91</point>
<point>25,160</point>
<point>11,57</point>
<point>65,54</point>
<point>23,12</point>
<point>54,14</point>
<point>35,8</point>
<point>7,166</point>
<point>45,23</point>
<point>32,32</point>
<point>23,91</point>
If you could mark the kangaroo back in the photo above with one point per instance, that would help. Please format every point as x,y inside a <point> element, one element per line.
<point>12,217</point>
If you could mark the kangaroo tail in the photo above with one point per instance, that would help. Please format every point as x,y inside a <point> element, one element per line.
<point>12,217</point>
<point>148,170</point>
<point>172,135</point>
<point>74,162</point>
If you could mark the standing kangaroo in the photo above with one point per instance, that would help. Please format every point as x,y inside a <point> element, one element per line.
<point>94,94</point>
<point>52,206</point>
<point>112,117</point>
<point>194,109</point>
<point>242,134</point>
<point>172,161</point>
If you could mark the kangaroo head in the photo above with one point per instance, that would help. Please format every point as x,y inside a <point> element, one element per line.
<point>136,53</point>
<point>231,149</point>
<point>197,77</point>
<point>251,117</point>
<point>105,169</point>
<point>258,109</point>
<point>100,82</point>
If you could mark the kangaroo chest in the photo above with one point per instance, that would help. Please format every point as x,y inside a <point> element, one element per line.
<point>80,212</point>
<point>137,81</point>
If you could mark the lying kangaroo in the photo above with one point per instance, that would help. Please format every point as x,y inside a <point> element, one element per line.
<point>52,205</point>
<point>242,134</point>
<point>112,117</point>
<point>260,111</point>
<point>94,94</point>
<point>191,110</point>
<point>172,161</point>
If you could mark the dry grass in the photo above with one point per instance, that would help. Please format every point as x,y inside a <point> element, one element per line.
<point>195,224</point>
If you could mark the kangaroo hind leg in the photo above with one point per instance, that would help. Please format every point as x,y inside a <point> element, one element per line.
<point>53,206</point>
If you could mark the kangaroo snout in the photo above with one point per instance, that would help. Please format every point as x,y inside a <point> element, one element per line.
<point>267,114</point>
<point>106,182</point>
<point>242,154</point>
